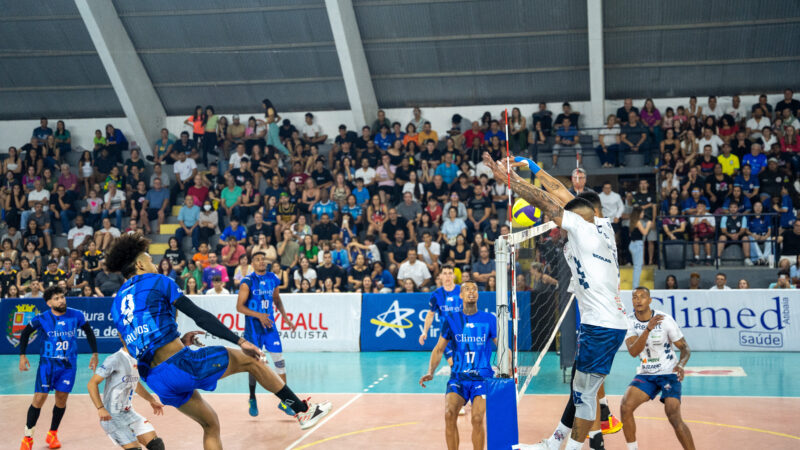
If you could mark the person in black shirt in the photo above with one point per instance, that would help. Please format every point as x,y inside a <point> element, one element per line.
<point>394,223</point>
<point>53,274</point>
<point>401,173</point>
<point>258,228</point>
<point>215,180</point>
<point>321,175</point>
<point>463,188</point>
<point>61,207</point>
<point>566,114</point>
<point>243,174</point>
<point>365,138</point>
<point>184,145</point>
<point>175,255</point>
<point>286,130</point>
<point>624,111</point>
<point>771,180</point>
<point>8,276</point>
<point>397,251</point>
<point>438,190</point>
<point>718,187</point>
<point>647,201</point>
<point>431,154</point>
<point>329,270</point>
<point>325,230</point>
<point>478,210</point>
<point>733,227</point>
<point>788,102</point>
<point>78,279</point>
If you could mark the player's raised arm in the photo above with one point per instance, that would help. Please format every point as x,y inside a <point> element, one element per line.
<point>241,305</point>
<point>211,324</point>
<point>553,186</point>
<point>686,353</point>
<point>527,191</point>
<point>436,358</point>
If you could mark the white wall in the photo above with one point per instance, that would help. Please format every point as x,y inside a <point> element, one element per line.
<point>18,132</point>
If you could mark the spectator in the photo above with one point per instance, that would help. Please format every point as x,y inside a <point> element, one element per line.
<point>68,179</point>
<point>312,132</point>
<point>634,138</point>
<point>329,271</point>
<point>671,282</point>
<point>609,140</point>
<point>711,139</point>
<point>674,227</point>
<point>566,137</point>
<point>427,134</point>
<point>415,270</point>
<point>483,268</point>
<point>757,123</point>
<point>794,270</point>
<point>720,283</point>
<point>106,235</point>
<point>718,187</point>
<point>79,235</point>
<point>188,220</point>
<point>382,278</point>
<point>784,281</point>
<point>213,269</point>
<point>694,280</point>
<point>452,226</point>
<point>185,170</point>
<point>106,284</point>
<point>231,252</point>
<point>639,228</point>
<point>235,229</point>
<point>217,288</point>
<point>288,250</point>
<point>623,112</point>
<point>793,105</point>
<point>305,272</point>
<point>704,228</point>
<point>61,207</point>
<point>790,241</point>
<point>760,231</point>
<point>186,146</point>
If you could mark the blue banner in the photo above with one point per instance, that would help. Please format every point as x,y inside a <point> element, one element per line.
<point>395,321</point>
<point>16,313</point>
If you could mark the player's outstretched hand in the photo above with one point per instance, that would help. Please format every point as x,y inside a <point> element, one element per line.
<point>425,378</point>
<point>654,321</point>
<point>104,415</point>
<point>24,365</point>
<point>158,408</point>
<point>498,168</point>
<point>193,338</point>
<point>265,320</point>
<point>250,350</point>
<point>93,361</point>
<point>679,371</point>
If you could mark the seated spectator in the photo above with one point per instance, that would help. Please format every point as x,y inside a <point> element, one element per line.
<point>623,112</point>
<point>429,251</point>
<point>201,258</point>
<point>106,284</point>
<point>704,229</point>
<point>236,230</point>
<point>340,255</point>
<point>415,270</point>
<point>305,273</point>
<point>674,227</point>
<point>311,132</point>
<point>231,253</point>
<point>718,187</point>
<point>116,142</point>
<point>771,180</point>
<point>217,288</point>
<point>690,205</point>
<point>634,138</point>
<point>566,137</point>
<point>694,280</point>
<point>106,235</point>
<point>382,278</point>
<point>755,159</point>
<point>609,140</point>
<point>452,227</point>
<point>759,231</point>
<point>482,269</point>
<point>790,241</point>
<point>784,281</point>
<point>329,271</point>
<point>712,140</point>
<point>720,283</point>
<point>733,227</point>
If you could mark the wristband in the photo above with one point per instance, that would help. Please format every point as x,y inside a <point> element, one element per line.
<point>101,406</point>
<point>534,168</point>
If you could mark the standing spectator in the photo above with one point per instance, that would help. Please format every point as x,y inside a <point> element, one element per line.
<point>639,228</point>
<point>720,283</point>
<point>647,201</point>
<point>703,227</point>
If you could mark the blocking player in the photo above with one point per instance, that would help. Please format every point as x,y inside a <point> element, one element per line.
<point>592,259</point>
<point>144,316</point>
<point>58,360</point>
<point>471,331</point>
<point>652,336</point>
<point>258,298</point>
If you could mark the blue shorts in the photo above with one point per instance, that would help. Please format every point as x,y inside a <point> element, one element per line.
<point>597,347</point>
<point>54,374</point>
<point>466,389</point>
<point>175,379</point>
<point>271,340</point>
<point>668,385</point>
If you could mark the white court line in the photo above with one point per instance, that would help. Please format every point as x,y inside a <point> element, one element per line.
<point>319,425</point>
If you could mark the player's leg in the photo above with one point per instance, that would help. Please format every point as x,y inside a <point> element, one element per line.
<point>585,387</point>
<point>151,441</point>
<point>202,413</point>
<point>478,412</point>
<point>633,398</point>
<point>33,413</point>
<point>453,404</point>
<point>275,352</point>
<point>671,396</point>
<point>608,423</point>
<point>58,413</point>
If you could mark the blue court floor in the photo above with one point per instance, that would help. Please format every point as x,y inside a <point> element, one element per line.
<point>767,374</point>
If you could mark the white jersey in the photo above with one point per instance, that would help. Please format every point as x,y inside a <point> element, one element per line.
<point>591,254</point>
<point>121,376</point>
<point>658,356</point>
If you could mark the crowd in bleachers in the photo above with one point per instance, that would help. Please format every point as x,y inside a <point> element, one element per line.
<point>384,208</point>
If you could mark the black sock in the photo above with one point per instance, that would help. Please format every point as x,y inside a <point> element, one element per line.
<point>33,416</point>
<point>597,442</point>
<point>252,380</point>
<point>58,414</point>
<point>290,399</point>
<point>605,411</point>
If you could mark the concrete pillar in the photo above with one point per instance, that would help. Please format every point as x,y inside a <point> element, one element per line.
<point>133,87</point>
<point>353,61</point>
<point>597,82</point>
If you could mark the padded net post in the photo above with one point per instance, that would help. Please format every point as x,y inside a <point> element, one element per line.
<point>501,251</point>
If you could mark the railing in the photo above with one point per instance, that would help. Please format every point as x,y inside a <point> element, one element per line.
<point>668,258</point>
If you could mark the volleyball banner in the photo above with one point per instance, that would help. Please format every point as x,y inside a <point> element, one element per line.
<point>16,313</point>
<point>735,320</point>
<point>396,321</point>
<point>323,322</point>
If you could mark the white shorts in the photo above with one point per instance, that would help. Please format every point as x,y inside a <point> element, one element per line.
<point>124,426</point>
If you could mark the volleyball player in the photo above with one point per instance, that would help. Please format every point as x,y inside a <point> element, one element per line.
<point>471,331</point>
<point>652,336</point>
<point>592,259</point>
<point>144,316</point>
<point>58,360</point>
<point>258,298</point>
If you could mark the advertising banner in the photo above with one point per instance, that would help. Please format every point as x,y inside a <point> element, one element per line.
<point>323,322</point>
<point>16,313</point>
<point>395,321</point>
<point>733,320</point>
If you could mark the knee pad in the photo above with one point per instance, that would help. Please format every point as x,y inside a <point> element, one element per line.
<point>584,394</point>
<point>156,444</point>
<point>278,361</point>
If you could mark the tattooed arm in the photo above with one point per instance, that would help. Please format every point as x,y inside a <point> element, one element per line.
<point>550,183</point>
<point>533,195</point>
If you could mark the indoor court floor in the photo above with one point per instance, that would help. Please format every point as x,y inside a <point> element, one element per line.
<point>731,400</point>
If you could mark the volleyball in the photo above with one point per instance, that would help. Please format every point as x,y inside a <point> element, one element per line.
<point>525,214</point>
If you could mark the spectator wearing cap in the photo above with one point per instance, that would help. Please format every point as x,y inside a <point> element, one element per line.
<point>311,131</point>
<point>771,180</point>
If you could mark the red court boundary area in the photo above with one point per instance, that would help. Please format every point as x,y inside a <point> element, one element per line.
<point>409,421</point>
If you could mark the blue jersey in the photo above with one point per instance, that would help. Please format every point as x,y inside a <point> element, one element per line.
<point>446,303</point>
<point>260,299</point>
<point>472,336</point>
<point>60,334</point>
<point>144,315</point>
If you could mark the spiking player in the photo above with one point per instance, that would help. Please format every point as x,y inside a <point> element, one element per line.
<point>651,336</point>
<point>258,293</point>
<point>144,316</point>
<point>592,260</point>
<point>471,331</point>
<point>57,360</point>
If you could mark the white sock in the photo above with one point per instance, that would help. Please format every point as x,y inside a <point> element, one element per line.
<point>633,446</point>
<point>29,431</point>
<point>573,445</point>
<point>604,401</point>
<point>561,433</point>
<point>593,433</point>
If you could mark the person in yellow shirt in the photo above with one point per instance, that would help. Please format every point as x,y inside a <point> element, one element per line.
<point>729,161</point>
<point>427,133</point>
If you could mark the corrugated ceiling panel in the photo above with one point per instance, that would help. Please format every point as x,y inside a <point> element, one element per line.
<point>228,99</point>
<point>700,80</point>
<point>626,13</point>
<point>15,8</point>
<point>44,35</point>
<point>703,44</point>
<point>389,19</point>
<point>59,103</point>
<point>520,88</point>
<point>52,71</point>
<point>144,6</point>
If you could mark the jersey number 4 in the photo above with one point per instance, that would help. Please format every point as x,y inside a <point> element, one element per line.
<point>581,275</point>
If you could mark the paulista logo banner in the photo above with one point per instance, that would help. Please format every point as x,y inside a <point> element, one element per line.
<point>733,320</point>
<point>395,321</point>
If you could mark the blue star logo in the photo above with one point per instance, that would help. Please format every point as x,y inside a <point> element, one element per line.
<point>576,398</point>
<point>399,323</point>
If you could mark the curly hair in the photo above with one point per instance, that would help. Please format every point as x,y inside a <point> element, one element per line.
<point>121,257</point>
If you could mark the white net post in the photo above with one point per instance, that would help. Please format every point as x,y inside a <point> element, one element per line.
<point>503,314</point>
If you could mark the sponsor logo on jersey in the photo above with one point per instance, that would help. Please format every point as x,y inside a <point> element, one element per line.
<point>17,320</point>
